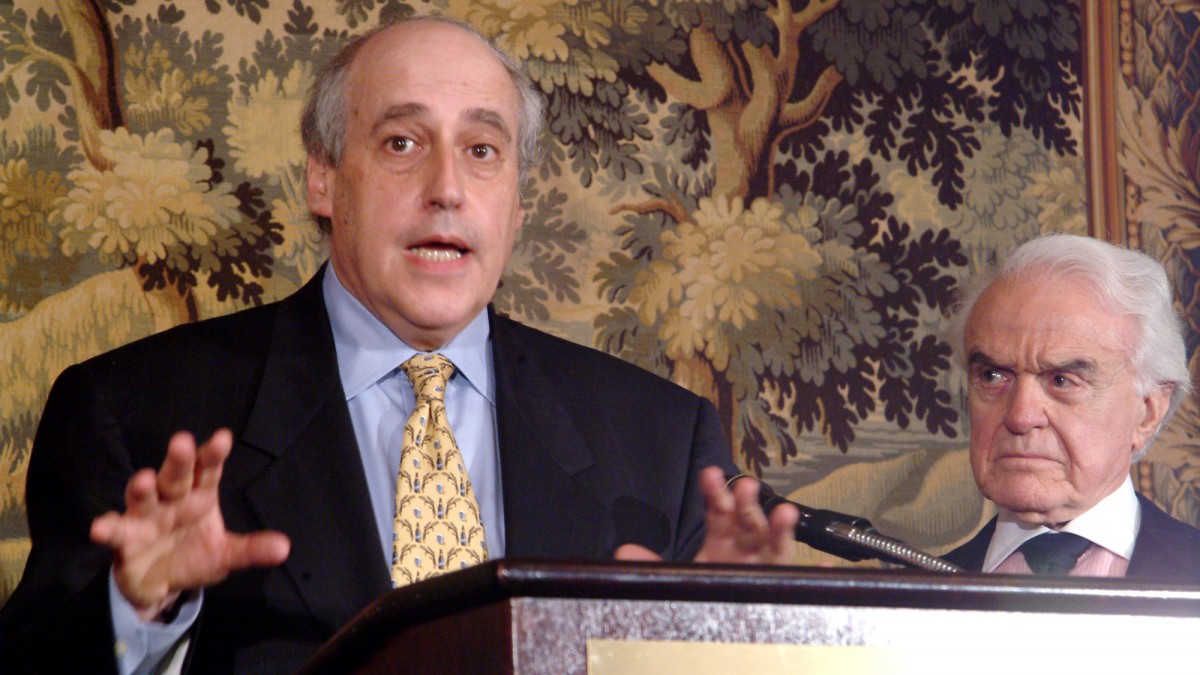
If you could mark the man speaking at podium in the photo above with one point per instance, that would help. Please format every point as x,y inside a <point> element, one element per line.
<point>1074,361</point>
<point>379,426</point>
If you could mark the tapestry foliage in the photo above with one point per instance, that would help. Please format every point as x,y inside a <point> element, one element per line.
<point>771,203</point>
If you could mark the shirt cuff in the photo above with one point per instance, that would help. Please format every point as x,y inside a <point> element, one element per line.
<point>139,646</point>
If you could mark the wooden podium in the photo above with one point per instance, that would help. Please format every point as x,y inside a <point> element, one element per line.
<point>528,616</point>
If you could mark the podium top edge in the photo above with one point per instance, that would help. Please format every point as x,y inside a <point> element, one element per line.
<point>506,579</point>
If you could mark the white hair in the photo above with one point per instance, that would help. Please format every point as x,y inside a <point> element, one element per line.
<point>1128,283</point>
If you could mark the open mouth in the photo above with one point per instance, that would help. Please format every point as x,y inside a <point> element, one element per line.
<point>438,253</point>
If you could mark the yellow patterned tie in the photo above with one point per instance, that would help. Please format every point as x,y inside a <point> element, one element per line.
<point>437,527</point>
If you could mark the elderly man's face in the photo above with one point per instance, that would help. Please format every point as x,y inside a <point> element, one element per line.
<point>1055,412</point>
<point>424,201</point>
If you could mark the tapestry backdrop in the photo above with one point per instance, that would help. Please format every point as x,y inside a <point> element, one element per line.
<point>771,204</point>
<point>1157,47</point>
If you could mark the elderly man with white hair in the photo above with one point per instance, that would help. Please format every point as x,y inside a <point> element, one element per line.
<point>1075,360</point>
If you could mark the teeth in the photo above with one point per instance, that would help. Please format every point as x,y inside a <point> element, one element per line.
<point>438,254</point>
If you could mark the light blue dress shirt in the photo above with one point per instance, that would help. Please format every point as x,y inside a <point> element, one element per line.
<point>381,398</point>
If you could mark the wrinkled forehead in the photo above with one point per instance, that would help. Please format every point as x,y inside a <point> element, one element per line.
<point>1038,320</point>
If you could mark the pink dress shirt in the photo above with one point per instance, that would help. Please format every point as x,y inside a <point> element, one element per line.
<point>1111,525</point>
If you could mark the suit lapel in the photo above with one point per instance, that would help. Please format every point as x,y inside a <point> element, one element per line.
<point>1165,549</point>
<point>970,555</point>
<point>302,449</point>
<point>550,507</point>
<point>1147,549</point>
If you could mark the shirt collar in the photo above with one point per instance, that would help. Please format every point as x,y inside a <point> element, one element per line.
<point>368,351</point>
<point>1113,523</point>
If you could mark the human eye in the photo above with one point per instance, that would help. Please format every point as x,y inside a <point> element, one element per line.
<point>482,151</point>
<point>989,375</point>
<point>1063,381</point>
<point>401,145</point>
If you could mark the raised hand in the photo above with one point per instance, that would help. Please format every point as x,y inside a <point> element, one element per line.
<point>737,530</point>
<point>172,537</point>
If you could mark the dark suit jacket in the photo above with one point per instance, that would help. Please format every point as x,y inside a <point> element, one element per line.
<point>594,453</point>
<point>1165,550</point>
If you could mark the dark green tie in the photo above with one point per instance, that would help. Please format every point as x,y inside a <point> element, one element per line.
<point>1054,552</point>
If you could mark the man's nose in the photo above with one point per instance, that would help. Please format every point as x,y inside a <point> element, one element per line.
<point>1026,405</point>
<point>443,183</point>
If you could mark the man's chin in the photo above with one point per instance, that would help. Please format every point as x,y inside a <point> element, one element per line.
<point>1028,500</point>
<point>1036,517</point>
<point>1052,514</point>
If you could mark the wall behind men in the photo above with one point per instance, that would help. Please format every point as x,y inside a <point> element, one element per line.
<point>771,206</point>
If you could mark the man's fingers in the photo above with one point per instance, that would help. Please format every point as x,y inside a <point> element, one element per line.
<point>211,459</point>
<point>749,512</point>
<point>105,529</point>
<point>176,474</point>
<point>635,552</point>
<point>783,522</point>
<point>717,497</point>
<point>738,530</point>
<point>141,493</point>
<point>744,524</point>
<point>784,518</point>
<point>171,536</point>
<point>257,549</point>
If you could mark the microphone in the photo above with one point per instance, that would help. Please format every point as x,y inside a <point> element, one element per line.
<point>849,537</point>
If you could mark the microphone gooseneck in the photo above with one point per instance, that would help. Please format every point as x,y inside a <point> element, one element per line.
<point>850,537</point>
<point>892,550</point>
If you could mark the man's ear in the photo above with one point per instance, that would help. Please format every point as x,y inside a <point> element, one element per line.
<point>318,181</point>
<point>1156,403</point>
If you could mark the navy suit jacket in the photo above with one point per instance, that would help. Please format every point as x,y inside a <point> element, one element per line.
<point>1166,550</point>
<point>594,453</point>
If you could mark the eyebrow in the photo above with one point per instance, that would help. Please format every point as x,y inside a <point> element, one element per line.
<point>1083,366</point>
<point>977,358</point>
<point>401,111</point>
<point>405,111</point>
<point>490,118</point>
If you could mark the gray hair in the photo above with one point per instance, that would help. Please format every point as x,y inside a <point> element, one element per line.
<point>1128,283</point>
<point>323,122</point>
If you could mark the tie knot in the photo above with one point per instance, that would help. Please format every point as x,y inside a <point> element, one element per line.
<point>429,374</point>
<point>1054,552</point>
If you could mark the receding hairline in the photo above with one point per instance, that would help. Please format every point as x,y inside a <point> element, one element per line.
<point>423,28</point>
<point>491,116</point>
<point>427,25</point>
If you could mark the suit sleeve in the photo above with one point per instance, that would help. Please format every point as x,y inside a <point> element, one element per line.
<point>709,448</point>
<point>77,470</point>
